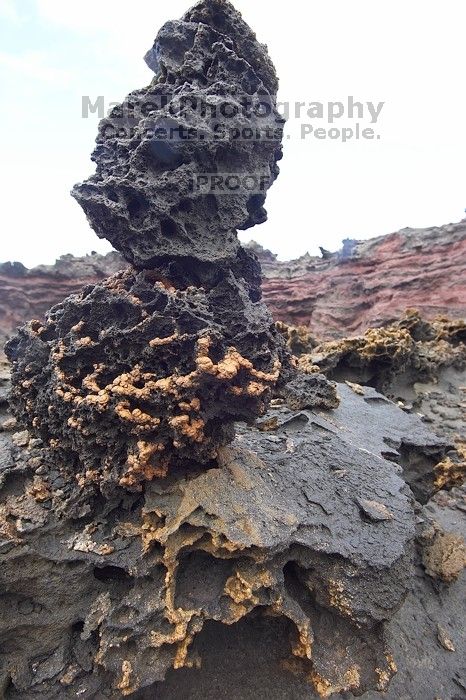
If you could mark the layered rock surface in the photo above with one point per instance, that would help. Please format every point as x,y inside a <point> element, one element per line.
<point>422,366</point>
<point>294,545</point>
<point>370,283</point>
<point>427,635</point>
<point>418,363</point>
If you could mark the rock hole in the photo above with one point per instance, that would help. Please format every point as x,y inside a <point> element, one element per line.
<point>201,578</point>
<point>110,574</point>
<point>161,155</point>
<point>168,227</point>
<point>376,400</point>
<point>185,205</point>
<point>418,464</point>
<point>137,205</point>
<point>391,457</point>
<point>211,203</point>
<point>255,202</point>
<point>77,627</point>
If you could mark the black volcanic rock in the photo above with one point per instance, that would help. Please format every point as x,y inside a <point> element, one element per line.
<point>309,391</point>
<point>210,110</point>
<point>149,369</point>
<point>134,375</point>
<point>118,591</point>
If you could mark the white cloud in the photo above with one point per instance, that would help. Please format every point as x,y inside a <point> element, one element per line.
<point>35,65</point>
<point>9,11</point>
<point>91,17</point>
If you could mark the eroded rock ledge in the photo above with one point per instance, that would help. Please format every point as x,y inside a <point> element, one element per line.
<point>299,524</point>
<point>293,535</point>
<point>419,364</point>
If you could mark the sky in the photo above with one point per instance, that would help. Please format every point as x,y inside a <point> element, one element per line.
<point>410,56</point>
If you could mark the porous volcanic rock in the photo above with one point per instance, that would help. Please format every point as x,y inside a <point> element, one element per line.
<point>150,369</point>
<point>214,84</point>
<point>427,636</point>
<point>419,364</point>
<point>65,580</point>
<point>29,293</point>
<point>133,374</point>
<point>309,391</point>
<point>131,514</point>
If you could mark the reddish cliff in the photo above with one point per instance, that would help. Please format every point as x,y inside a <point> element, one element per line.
<point>365,284</point>
<point>27,294</point>
<point>371,282</point>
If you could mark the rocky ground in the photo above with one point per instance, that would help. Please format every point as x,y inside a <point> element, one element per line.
<point>427,637</point>
<point>279,534</point>
<point>313,514</point>
<point>419,365</point>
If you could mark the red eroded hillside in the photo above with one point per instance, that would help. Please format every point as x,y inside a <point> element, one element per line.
<point>369,283</point>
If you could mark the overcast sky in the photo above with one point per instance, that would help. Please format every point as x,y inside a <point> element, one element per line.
<point>408,55</point>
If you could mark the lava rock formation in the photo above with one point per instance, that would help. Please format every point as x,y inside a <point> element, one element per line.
<point>151,368</point>
<point>133,375</point>
<point>133,516</point>
<point>214,85</point>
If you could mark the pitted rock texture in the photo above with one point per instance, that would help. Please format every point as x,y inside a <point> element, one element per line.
<point>427,636</point>
<point>151,368</point>
<point>299,339</point>
<point>309,391</point>
<point>30,293</point>
<point>214,86</point>
<point>133,375</point>
<point>117,592</point>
